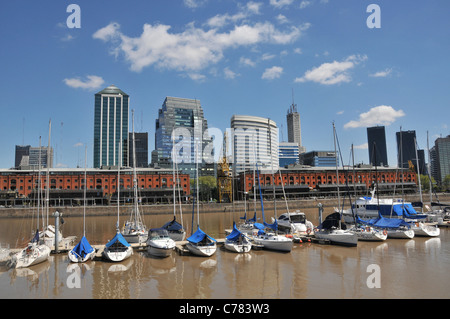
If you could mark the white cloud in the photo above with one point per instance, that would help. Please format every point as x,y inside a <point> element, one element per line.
<point>93,82</point>
<point>298,51</point>
<point>246,61</point>
<point>280,3</point>
<point>193,49</point>
<point>230,74</point>
<point>79,144</point>
<point>305,4</point>
<point>381,74</point>
<point>272,73</point>
<point>282,19</point>
<point>378,115</point>
<point>194,3</point>
<point>332,73</point>
<point>361,147</point>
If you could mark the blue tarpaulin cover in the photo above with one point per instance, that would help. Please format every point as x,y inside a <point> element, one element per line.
<point>259,226</point>
<point>273,226</point>
<point>172,225</point>
<point>83,248</point>
<point>386,222</point>
<point>36,237</point>
<point>235,234</point>
<point>400,210</point>
<point>119,238</point>
<point>198,236</point>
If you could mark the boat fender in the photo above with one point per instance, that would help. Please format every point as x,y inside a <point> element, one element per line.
<point>384,232</point>
<point>308,231</point>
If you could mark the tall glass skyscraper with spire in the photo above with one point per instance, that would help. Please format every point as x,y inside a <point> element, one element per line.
<point>111,127</point>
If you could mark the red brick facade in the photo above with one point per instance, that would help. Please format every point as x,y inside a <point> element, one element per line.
<point>23,181</point>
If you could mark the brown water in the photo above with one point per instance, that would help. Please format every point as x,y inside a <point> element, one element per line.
<point>416,268</point>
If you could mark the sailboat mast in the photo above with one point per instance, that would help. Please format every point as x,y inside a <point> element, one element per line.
<point>271,168</point>
<point>39,186</point>
<point>134,174</point>
<point>196,169</point>
<point>429,170</point>
<point>119,163</point>
<point>337,172</point>
<point>174,181</point>
<point>84,195</point>
<point>47,197</point>
<point>418,173</point>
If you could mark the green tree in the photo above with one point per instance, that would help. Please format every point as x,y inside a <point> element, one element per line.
<point>446,183</point>
<point>207,187</point>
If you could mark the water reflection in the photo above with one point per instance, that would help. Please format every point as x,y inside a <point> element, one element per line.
<point>414,268</point>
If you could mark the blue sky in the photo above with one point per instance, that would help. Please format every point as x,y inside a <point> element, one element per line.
<point>236,57</point>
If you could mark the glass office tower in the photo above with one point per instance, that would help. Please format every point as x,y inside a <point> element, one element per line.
<point>111,127</point>
<point>378,154</point>
<point>186,117</point>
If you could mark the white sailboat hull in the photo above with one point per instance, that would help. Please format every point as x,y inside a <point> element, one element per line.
<point>370,234</point>
<point>238,247</point>
<point>400,234</point>
<point>117,255</point>
<point>275,242</point>
<point>30,256</point>
<point>200,250</point>
<point>135,237</point>
<point>426,230</point>
<point>338,237</point>
<point>78,259</point>
<point>160,247</point>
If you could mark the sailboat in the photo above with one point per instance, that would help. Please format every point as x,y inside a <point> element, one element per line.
<point>83,251</point>
<point>35,252</point>
<point>420,228</point>
<point>237,242</point>
<point>117,249</point>
<point>134,230</point>
<point>332,229</point>
<point>175,229</point>
<point>200,243</point>
<point>270,239</point>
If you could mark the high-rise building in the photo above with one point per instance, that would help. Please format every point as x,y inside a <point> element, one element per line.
<point>376,138</point>
<point>406,146</point>
<point>288,153</point>
<point>111,127</point>
<point>442,156</point>
<point>319,159</point>
<point>141,142</point>
<point>185,118</point>
<point>294,127</point>
<point>253,141</point>
<point>28,157</point>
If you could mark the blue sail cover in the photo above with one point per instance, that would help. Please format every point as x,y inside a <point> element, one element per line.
<point>198,236</point>
<point>259,226</point>
<point>382,222</point>
<point>172,225</point>
<point>400,210</point>
<point>273,226</point>
<point>118,238</point>
<point>36,237</point>
<point>83,248</point>
<point>235,234</point>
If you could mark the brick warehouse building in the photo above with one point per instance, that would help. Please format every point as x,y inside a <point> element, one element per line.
<point>314,181</point>
<point>155,185</point>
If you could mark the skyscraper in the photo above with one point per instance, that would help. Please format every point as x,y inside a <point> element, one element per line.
<point>141,143</point>
<point>251,142</point>
<point>111,127</point>
<point>376,135</point>
<point>406,146</point>
<point>28,157</point>
<point>294,127</point>
<point>186,117</point>
<point>442,151</point>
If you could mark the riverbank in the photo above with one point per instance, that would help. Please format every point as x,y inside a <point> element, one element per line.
<point>163,209</point>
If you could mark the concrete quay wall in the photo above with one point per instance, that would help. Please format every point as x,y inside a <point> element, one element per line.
<point>303,204</point>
